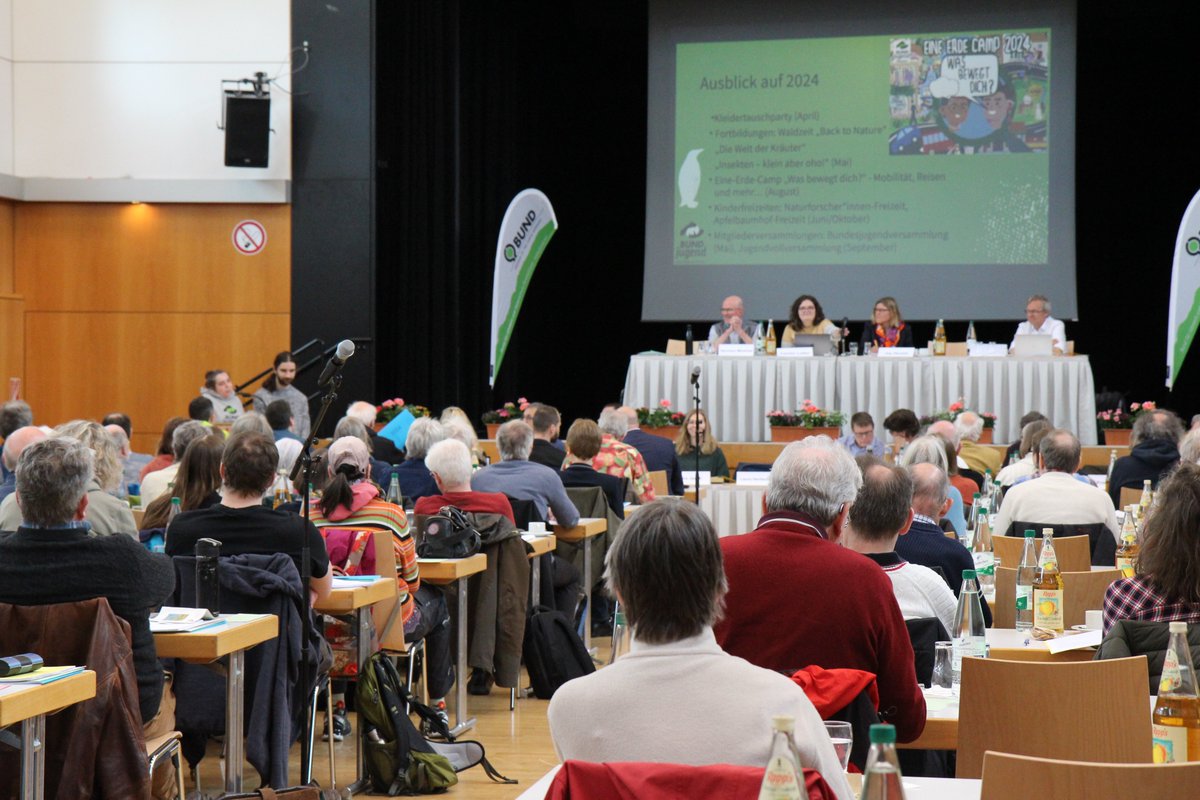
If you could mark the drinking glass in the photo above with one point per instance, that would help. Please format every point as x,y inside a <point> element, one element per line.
<point>842,737</point>
<point>943,665</point>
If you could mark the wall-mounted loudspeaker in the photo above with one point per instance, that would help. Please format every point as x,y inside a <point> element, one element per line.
<point>247,129</point>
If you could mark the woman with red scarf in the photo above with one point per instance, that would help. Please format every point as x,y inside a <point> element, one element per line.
<point>888,328</point>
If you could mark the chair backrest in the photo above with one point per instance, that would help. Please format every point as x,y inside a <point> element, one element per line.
<point>1083,591</point>
<point>1086,710</point>
<point>923,633</point>
<point>1006,776</point>
<point>658,479</point>
<point>524,512</point>
<point>1130,495</point>
<point>676,347</point>
<point>1074,552</point>
<point>1004,608</point>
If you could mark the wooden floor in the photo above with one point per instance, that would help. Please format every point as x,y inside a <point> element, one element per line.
<point>518,745</point>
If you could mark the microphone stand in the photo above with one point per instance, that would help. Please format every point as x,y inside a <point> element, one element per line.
<point>696,435</point>
<point>306,463</point>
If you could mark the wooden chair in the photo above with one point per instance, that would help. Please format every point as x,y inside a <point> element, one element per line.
<point>1074,552</point>
<point>1006,776</point>
<point>1099,546</point>
<point>676,347</point>
<point>1085,710</point>
<point>1084,591</point>
<point>1130,495</point>
<point>1004,609</point>
<point>957,349</point>
<point>658,479</point>
<point>167,746</point>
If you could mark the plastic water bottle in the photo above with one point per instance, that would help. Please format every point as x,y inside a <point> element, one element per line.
<point>1026,574</point>
<point>783,778</point>
<point>622,635</point>
<point>882,779</point>
<point>969,634</point>
<point>687,338</point>
<point>393,492</point>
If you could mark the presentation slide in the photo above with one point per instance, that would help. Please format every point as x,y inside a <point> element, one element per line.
<point>843,152</point>
<point>928,158</point>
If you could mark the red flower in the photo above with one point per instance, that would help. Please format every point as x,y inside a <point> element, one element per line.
<point>665,403</point>
<point>504,412</point>
<point>389,403</point>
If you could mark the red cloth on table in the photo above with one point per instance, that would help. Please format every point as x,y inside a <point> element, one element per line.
<point>831,690</point>
<point>582,780</point>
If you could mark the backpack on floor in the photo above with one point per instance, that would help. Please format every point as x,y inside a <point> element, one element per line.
<point>553,651</point>
<point>399,759</point>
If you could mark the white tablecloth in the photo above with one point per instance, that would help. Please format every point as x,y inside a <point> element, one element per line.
<point>733,509</point>
<point>738,392</point>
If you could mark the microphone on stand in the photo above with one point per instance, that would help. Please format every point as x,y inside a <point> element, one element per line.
<point>345,349</point>
<point>695,376</point>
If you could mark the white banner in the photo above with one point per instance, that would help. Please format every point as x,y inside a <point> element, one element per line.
<point>527,227</point>
<point>1185,290</point>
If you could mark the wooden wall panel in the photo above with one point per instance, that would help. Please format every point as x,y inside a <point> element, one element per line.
<point>85,365</point>
<point>7,275</point>
<point>12,339</point>
<point>150,257</point>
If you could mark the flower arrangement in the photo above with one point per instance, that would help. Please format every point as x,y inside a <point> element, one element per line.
<point>660,416</point>
<point>388,409</point>
<point>951,413</point>
<point>506,412</point>
<point>1119,418</point>
<point>807,416</point>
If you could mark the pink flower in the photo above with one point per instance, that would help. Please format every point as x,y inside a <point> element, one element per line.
<point>1105,415</point>
<point>1149,406</point>
<point>958,406</point>
<point>665,403</point>
<point>1134,406</point>
<point>400,401</point>
<point>389,403</point>
<point>503,412</point>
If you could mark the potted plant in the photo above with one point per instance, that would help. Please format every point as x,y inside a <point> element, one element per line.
<point>1117,423</point>
<point>958,407</point>
<point>661,420</point>
<point>386,411</point>
<point>492,420</point>
<point>808,420</point>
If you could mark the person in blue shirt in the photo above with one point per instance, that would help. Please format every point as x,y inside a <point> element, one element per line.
<point>861,440</point>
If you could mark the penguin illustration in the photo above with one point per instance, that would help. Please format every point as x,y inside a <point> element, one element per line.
<point>689,179</point>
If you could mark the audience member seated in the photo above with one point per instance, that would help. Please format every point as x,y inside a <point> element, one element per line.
<point>240,521</point>
<point>1014,447</point>
<point>105,514</point>
<point>643,707</point>
<point>966,486</point>
<point>252,422</point>
<point>382,448</point>
<point>1155,440</point>
<point>416,481</point>
<point>164,455</point>
<point>881,514</point>
<point>458,426</point>
<point>498,596</point>
<point>1189,447</point>
<point>352,499</point>
<point>925,543</point>
<point>1056,497</point>
<point>13,415</point>
<point>201,410</point>
<point>218,388</point>
<point>979,457</point>
<point>1165,586</point>
<point>583,443</point>
<point>14,443</point>
<point>156,484</point>
<point>381,471</point>
<point>862,440</point>
<point>932,450</point>
<point>279,417</point>
<point>797,598</point>
<point>712,458</point>
<point>278,386</point>
<point>657,452</point>
<point>1027,467</point>
<point>133,461</point>
<point>903,426</point>
<point>197,484</point>
<point>546,425</point>
<point>52,559</point>
<point>622,460</point>
<point>129,470</point>
<point>516,476</point>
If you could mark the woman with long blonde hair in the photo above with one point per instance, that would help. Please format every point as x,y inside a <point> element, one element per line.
<point>697,428</point>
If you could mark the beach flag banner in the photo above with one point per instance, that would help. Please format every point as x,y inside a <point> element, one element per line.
<point>1185,291</point>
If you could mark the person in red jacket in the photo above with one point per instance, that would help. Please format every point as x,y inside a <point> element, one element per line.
<point>796,598</point>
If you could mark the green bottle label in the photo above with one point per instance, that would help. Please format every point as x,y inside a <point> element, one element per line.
<point>1024,594</point>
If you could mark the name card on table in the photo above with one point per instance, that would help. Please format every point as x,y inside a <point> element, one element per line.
<point>752,477</point>
<point>897,352</point>
<point>804,351</point>
<point>728,349</point>
<point>689,476</point>
<point>986,350</point>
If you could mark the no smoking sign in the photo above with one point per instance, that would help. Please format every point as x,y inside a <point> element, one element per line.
<point>249,237</point>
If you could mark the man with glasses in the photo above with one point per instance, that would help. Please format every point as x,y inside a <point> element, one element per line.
<point>1039,322</point>
<point>733,328</point>
<point>861,441</point>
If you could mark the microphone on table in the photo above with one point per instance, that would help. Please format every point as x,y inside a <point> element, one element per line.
<point>695,375</point>
<point>345,349</point>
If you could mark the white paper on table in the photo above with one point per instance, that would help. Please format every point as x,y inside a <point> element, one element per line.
<point>897,352</point>
<point>1076,641</point>
<point>753,478</point>
<point>689,477</point>
<point>804,351</point>
<point>986,350</point>
<point>728,349</point>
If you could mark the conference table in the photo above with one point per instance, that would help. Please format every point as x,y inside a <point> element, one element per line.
<point>443,572</point>
<point>28,704</point>
<point>738,391</point>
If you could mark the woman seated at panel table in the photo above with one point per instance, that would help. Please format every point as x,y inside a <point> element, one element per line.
<point>807,317</point>
<point>711,460</point>
<point>1165,586</point>
<point>887,328</point>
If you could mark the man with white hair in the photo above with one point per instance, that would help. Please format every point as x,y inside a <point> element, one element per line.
<point>416,481</point>
<point>516,476</point>
<point>979,457</point>
<point>797,599</point>
<point>620,459</point>
<point>1039,322</point>
<point>17,441</point>
<point>382,447</point>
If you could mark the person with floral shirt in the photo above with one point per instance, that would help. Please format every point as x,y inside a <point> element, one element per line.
<point>619,459</point>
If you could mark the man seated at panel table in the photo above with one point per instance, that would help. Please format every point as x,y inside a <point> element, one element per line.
<point>1056,497</point>
<point>733,328</point>
<point>1155,438</point>
<point>644,706</point>
<point>1038,322</point>
<point>881,514</point>
<point>796,598</point>
<point>658,452</point>
<point>52,558</point>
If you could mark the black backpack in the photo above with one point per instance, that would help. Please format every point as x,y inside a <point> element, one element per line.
<point>448,534</point>
<point>399,759</point>
<point>553,651</point>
